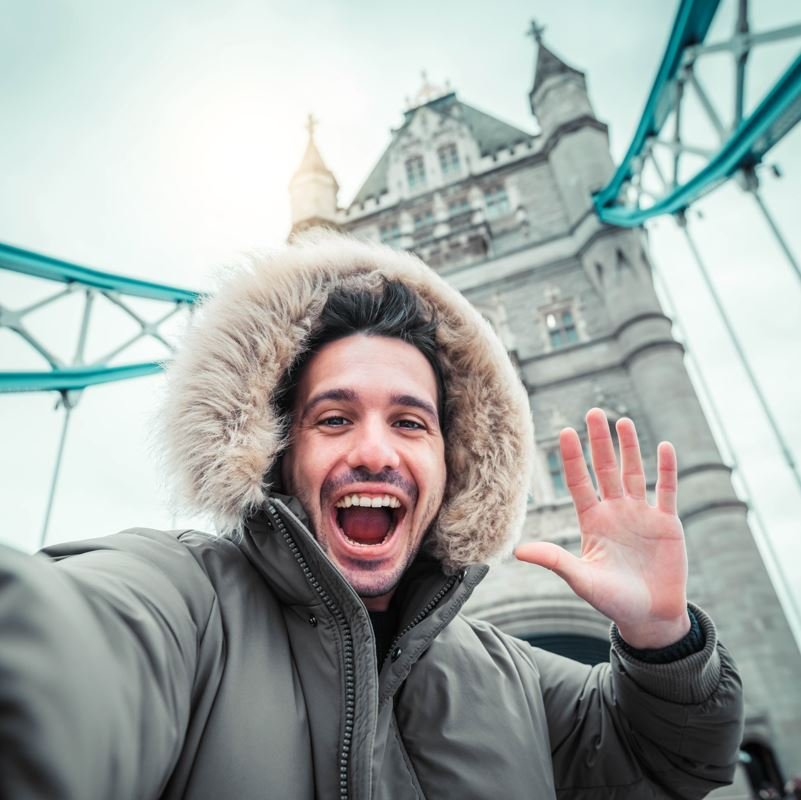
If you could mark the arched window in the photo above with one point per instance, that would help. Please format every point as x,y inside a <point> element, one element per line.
<point>497,202</point>
<point>761,767</point>
<point>390,232</point>
<point>459,205</point>
<point>423,219</point>
<point>416,172</point>
<point>560,325</point>
<point>585,649</point>
<point>449,160</point>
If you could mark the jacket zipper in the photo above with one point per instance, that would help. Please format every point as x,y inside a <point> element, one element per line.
<point>430,606</point>
<point>347,650</point>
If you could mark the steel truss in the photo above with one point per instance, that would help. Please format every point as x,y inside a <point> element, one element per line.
<point>69,377</point>
<point>75,374</point>
<point>669,164</point>
<point>651,179</point>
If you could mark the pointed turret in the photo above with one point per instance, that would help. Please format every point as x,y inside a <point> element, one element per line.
<point>575,140</point>
<point>549,65</point>
<point>313,189</point>
<point>559,92</point>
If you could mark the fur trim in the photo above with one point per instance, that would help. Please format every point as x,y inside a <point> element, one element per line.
<point>221,429</point>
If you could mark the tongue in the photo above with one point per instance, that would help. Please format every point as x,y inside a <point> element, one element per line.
<point>365,525</point>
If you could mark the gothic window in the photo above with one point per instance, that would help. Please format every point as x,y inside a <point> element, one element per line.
<point>459,206</point>
<point>584,649</point>
<point>389,232</point>
<point>497,202</point>
<point>448,160</point>
<point>416,172</point>
<point>762,768</point>
<point>555,471</point>
<point>423,218</point>
<point>561,327</point>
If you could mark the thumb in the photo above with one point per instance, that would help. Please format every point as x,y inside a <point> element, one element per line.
<point>554,558</point>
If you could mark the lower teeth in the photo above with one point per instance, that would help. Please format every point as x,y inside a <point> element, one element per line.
<point>366,544</point>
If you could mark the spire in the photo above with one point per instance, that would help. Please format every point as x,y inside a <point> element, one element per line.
<point>427,92</point>
<point>313,188</point>
<point>559,94</point>
<point>312,162</point>
<point>548,63</point>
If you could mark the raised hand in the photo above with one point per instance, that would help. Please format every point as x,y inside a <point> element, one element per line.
<point>633,564</point>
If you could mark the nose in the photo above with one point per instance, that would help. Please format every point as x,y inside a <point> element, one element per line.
<point>373,447</point>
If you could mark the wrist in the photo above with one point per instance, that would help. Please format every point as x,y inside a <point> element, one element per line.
<point>655,634</point>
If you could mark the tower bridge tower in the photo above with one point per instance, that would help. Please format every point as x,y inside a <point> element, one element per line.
<point>506,217</point>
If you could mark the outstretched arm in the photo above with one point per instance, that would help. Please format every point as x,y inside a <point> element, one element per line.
<point>98,659</point>
<point>633,564</point>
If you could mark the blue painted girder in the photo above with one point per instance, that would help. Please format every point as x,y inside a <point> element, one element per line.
<point>692,23</point>
<point>778,112</point>
<point>74,378</point>
<point>16,259</point>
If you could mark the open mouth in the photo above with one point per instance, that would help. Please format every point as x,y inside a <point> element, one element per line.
<point>368,520</point>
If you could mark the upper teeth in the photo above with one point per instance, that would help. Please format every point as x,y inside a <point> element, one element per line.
<point>367,501</point>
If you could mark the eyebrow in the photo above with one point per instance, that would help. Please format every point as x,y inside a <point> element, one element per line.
<point>340,395</point>
<point>349,396</point>
<point>415,402</point>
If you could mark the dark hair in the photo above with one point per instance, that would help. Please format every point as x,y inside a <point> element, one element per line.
<point>395,312</point>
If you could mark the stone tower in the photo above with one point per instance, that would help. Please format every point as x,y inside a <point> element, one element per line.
<point>506,217</point>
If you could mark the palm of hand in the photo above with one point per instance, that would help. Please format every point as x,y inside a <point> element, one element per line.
<point>633,564</point>
<point>635,561</point>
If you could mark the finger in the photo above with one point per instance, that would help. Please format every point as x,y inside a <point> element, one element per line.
<point>631,468</point>
<point>577,476</point>
<point>667,478</point>
<point>567,566</point>
<point>604,463</point>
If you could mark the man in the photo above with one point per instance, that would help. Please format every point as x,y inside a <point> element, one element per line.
<point>360,432</point>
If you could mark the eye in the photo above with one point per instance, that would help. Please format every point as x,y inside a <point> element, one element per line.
<point>333,422</point>
<point>410,424</point>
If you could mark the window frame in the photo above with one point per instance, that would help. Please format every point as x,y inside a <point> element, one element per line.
<point>416,178</point>
<point>389,232</point>
<point>496,201</point>
<point>459,206</point>
<point>450,162</point>
<point>554,335</point>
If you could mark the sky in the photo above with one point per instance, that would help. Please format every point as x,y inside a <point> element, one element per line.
<point>157,140</point>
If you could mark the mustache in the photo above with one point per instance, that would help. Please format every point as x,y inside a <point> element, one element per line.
<point>362,475</point>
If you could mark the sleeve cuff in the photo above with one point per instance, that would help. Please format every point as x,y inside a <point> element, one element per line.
<point>692,642</point>
<point>689,679</point>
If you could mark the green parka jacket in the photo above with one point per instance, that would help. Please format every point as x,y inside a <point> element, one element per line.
<point>171,665</point>
<point>193,666</point>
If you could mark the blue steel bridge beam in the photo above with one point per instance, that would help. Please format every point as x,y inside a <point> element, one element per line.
<point>27,262</point>
<point>628,200</point>
<point>743,144</point>
<point>691,25</point>
<point>70,380</point>
<point>74,379</point>
<point>95,285</point>
<point>779,111</point>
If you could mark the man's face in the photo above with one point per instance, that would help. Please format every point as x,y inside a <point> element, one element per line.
<point>366,430</point>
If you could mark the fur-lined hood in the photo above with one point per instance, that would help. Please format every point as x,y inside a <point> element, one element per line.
<point>223,434</point>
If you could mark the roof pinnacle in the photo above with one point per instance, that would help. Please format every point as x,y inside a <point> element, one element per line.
<point>547,62</point>
<point>312,161</point>
<point>535,31</point>
<point>427,92</point>
<point>311,124</point>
